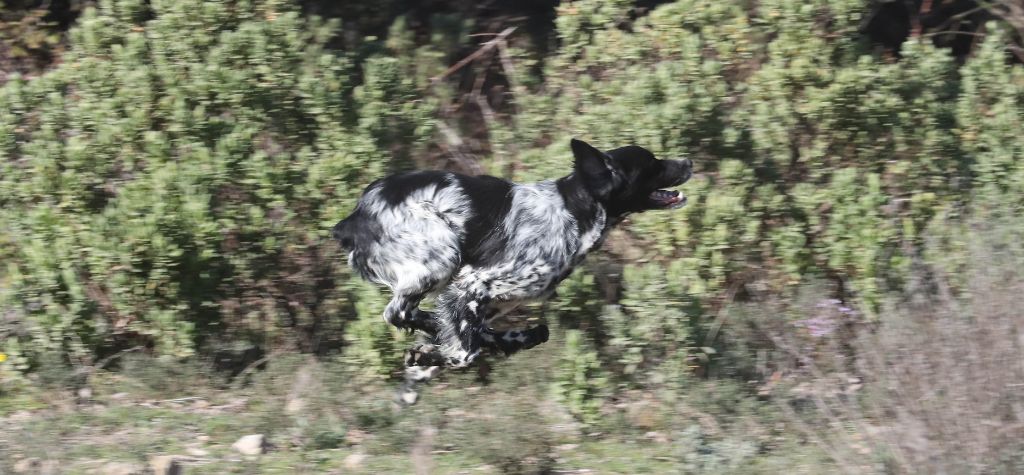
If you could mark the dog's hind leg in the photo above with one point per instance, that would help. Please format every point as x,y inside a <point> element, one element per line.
<point>415,375</point>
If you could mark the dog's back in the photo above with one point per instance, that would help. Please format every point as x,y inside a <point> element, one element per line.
<point>407,230</point>
<point>413,231</point>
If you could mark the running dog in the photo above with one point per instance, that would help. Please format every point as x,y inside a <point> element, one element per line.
<point>485,245</point>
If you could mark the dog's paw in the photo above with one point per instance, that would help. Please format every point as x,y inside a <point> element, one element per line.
<point>406,395</point>
<point>510,342</point>
<point>462,359</point>
<point>535,336</point>
<point>423,354</point>
<point>418,321</point>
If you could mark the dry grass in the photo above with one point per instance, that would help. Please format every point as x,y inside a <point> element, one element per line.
<point>936,385</point>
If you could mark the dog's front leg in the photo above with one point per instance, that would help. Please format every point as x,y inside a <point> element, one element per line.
<point>408,393</point>
<point>513,341</point>
<point>462,335</point>
<point>505,342</point>
<point>403,312</point>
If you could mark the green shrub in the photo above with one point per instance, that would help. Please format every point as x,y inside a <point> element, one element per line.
<point>580,383</point>
<point>819,158</point>
<point>652,329</point>
<point>174,178</point>
<point>170,183</point>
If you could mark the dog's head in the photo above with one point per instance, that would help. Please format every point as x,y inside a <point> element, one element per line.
<point>630,179</point>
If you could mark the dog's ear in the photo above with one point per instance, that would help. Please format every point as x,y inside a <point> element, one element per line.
<point>596,168</point>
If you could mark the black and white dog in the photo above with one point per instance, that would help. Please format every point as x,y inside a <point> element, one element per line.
<point>486,245</point>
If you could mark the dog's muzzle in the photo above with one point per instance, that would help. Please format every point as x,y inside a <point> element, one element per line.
<point>677,172</point>
<point>685,170</point>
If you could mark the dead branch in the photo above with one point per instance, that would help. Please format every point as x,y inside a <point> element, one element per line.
<point>484,48</point>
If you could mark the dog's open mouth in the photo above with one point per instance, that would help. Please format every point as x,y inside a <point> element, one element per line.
<point>668,199</point>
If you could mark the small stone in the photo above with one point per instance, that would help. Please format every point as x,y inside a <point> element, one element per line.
<point>355,436</point>
<point>49,467</point>
<point>354,461</point>
<point>166,465</point>
<point>30,464</point>
<point>643,414</point>
<point>294,405</point>
<point>197,452</point>
<point>657,437</point>
<point>21,415</point>
<point>203,438</point>
<point>119,396</point>
<point>85,393</point>
<point>253,444</point>
<point>200,404</point>
<point>121,468</point>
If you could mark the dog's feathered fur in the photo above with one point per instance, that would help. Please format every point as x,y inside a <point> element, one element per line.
<point>486,245</point>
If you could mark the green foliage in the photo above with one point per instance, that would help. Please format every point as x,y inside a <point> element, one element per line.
<point>173,179</point>
<point>170,183</point>
<point>31,34</point>
<point>580,383</point>
<point>819,158</point>
<point>989,114</point>
<point>651,329</point>
<point>374,348</point>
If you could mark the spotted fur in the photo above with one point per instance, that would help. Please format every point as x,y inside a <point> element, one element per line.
<point>485,245</point>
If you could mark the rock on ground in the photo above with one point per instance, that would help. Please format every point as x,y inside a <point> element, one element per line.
<point>166,465</point>
<point>354,461</point>
<point>253,444</point>
<point>122,468</point>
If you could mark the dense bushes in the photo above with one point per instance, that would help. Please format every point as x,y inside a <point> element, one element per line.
<point>819,158</point>
<point>170,181</point>
<point>172,178</point>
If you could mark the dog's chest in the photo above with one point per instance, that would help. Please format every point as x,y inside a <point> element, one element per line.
<point>543,243</point>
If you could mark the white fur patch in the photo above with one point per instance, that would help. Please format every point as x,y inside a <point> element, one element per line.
<point>419,247</point>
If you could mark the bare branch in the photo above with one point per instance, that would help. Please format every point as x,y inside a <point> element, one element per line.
<point>486,47</point>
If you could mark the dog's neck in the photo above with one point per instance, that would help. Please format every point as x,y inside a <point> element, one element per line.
<point>584,207</point>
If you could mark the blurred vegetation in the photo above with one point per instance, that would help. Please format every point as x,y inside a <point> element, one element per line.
<point>169,171</point>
